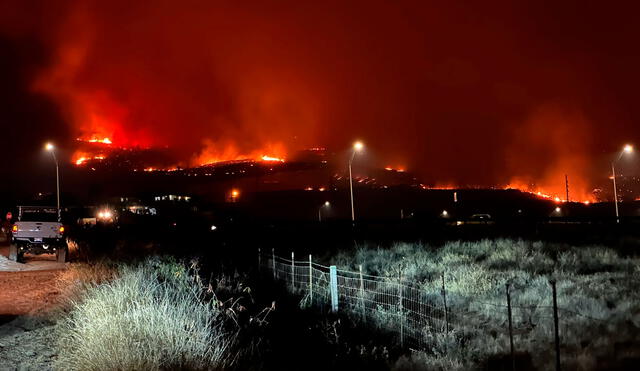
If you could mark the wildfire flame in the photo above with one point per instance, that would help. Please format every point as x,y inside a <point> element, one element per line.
<point>269,158</point>
<point>398,169</point>
<point>81,159</point>
<point>222,152</point>
<point>93,139</point>
<point>554,196</point>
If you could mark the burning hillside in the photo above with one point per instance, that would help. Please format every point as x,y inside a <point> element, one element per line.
<point>464,103</point>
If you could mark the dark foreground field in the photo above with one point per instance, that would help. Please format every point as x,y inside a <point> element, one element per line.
<point>134,302</point>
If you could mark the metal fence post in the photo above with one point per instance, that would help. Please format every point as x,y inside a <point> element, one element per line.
<point>273,262</point>
<point>444,299</point>
<point>401,312</point>
<point>555,323</point>
<point>364,313</point>
<point>310,280</point>
<point>513,357</point>
<point>293,272</point>
<point>333,282</point>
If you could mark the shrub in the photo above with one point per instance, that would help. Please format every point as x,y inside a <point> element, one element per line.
<point>597,298</point>
<point>152,316</point>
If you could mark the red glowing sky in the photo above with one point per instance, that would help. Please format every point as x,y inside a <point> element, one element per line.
<point>464,94</point>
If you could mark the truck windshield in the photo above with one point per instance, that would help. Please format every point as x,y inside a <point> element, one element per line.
<point>39,217</point>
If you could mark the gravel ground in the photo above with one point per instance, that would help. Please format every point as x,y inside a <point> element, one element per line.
<point>27,291</point>
<point>27,343</point>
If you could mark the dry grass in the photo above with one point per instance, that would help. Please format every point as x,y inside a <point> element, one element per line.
<point>597,295</point>
<point>151,316</point>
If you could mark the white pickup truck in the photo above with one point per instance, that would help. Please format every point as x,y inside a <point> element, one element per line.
<point>38,230</point>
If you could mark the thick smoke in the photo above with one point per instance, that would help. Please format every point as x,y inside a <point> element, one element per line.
<point>560,139</point>
<point>458,94</point>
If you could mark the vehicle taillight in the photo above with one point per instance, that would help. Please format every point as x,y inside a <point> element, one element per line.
<point>61,229</point>
<point>14,229</point>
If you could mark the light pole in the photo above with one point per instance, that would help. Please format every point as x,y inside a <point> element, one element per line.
<point>49,147</point>
<point>627,149</point>
<point>357,147</point>
<point>326,203</point>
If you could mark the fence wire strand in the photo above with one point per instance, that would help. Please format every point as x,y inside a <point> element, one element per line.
<point>412,313</point>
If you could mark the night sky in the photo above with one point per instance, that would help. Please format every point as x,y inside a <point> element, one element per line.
<point>485,94</point>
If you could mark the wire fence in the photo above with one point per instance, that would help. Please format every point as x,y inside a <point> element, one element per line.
<point>394,305</point>
<point>423,316</point>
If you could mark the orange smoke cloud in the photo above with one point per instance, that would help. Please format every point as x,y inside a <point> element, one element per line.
<point>227,80</point>
<point>147,88</point>
<point>550,144</point>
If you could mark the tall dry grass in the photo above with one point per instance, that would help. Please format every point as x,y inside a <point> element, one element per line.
<point>150,316</point>
<point>597,295</point>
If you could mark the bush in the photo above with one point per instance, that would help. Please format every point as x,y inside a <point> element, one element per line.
<point>152,316</point>
<point>598,300</point>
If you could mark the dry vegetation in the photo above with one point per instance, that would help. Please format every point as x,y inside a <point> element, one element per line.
<point>159,314</point>
<point>597,295</point>
<point>154,315</point>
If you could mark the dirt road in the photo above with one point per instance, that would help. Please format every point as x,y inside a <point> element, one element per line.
<point>32,262</point>
<point>29,287</point>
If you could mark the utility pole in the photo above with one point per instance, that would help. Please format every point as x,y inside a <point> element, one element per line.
<point>615,191</point>
<point>566,185</point>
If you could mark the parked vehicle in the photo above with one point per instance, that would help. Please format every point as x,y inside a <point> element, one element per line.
<point>38,230</point>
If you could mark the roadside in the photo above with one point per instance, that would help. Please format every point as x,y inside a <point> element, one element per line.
<point>33,262</point>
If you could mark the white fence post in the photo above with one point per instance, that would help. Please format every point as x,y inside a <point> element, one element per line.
<point>273,262</point>
<point>293,272</point>
<point>310,281</point>
<point>333,282</point>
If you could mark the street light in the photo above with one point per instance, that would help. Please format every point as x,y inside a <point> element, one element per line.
<point>627,149</point>
<point>326,203</point>
<point>234,195</point>
<point>49,147</point>
<point>357,147</point>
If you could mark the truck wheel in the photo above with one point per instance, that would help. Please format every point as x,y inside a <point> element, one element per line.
<point>13,252</point>
<point>61,255</point>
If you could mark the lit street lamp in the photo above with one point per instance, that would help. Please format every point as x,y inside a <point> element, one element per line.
<point>49,147</point>
<point>627,149</point>
<point>234,195</point>
<point>357,147</point>
<point>326,203</point>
